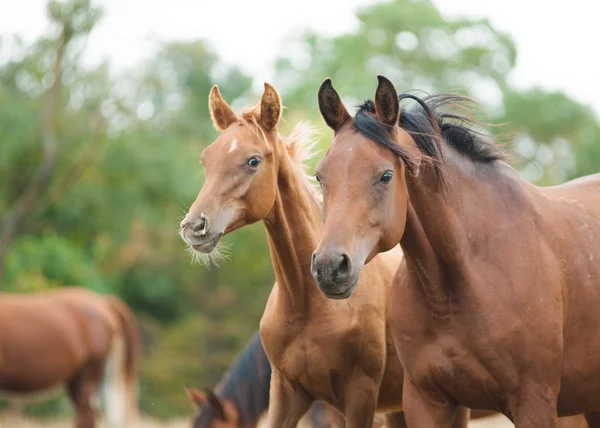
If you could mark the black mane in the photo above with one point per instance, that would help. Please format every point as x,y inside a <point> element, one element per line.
<point>430,127</point>
<point>246,384</point>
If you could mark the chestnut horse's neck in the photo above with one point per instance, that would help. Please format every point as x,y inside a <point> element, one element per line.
<point>294,226</point>
<point>445,225</point>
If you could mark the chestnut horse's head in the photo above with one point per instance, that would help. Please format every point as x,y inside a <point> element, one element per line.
<point>213,412</point>
<point>241,172</point>
<point>364,186</point>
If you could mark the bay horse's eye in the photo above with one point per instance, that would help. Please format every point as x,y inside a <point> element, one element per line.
<point>253,162</point>
<point>386,177</point>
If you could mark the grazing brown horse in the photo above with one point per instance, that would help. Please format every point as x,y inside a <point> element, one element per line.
<point>496,305</point>
<point>73,338</point>
<point>340,354</point>
<point>242,397</point>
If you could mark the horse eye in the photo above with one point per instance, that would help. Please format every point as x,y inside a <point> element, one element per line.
<point>318,179</point>
<point>253,162</point>
<point>386,177</point>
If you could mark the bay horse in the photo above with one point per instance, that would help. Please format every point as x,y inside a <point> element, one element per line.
<point>242,397</point>
<point>496,303</point>
<point>72,338</point>
<point>340,354</point>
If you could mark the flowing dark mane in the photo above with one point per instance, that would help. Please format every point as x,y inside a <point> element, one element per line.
<point>432,121</point>
<point>246,384</point>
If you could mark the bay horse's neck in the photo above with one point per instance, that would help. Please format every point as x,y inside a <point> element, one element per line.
<point>294,227</point>
<point>445,224</point>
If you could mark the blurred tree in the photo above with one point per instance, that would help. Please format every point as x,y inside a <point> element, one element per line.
<point>73,20</point>
<point>98,202</point>
<point>411,43</point>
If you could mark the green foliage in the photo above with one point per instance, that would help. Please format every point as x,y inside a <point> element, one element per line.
<point>128,166</point>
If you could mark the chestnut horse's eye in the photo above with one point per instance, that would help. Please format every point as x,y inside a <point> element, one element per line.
<point>386,177</point>
<point>253,162</point>
<point>319,180</point>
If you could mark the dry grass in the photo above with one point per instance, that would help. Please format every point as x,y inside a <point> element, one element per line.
<point>12,422</point>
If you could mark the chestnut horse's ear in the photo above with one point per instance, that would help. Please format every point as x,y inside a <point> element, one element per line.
<point>215,403</point>
<point>387,106</point>
<point>222,115</point>
<point>270,107</point>
<point>198,398</point>
<point>330,104</point>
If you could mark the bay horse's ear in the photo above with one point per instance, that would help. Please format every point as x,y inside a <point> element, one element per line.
<point>387,106</point>
<point>198,398</point>
<point>215,404</point>
<point>222,115</point>
<point>270,107</point>
<point>330,104</point>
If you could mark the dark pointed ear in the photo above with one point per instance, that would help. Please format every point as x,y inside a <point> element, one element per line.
<point>330,104</point>
<point>215,403</point>
<point>387,106</point>
<point>222,115</point>
<point>198,398</point>
<point>270,107</point>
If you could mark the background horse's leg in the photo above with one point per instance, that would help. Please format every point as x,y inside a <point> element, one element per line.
<point>593,420</point>
<point>82,389</point>
<point>395,420</point>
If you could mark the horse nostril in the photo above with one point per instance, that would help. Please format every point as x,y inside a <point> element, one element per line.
<point>201,225</point>
<point>342,273</point>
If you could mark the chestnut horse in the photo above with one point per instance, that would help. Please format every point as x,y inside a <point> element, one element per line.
<point>340,354</point>
<point>242,396</point>
<point>73,338</point>
<point>496,303</point>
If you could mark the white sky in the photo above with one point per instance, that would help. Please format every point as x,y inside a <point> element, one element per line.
<point>557,41</point>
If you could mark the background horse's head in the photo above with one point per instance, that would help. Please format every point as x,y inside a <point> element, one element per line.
<point>364,186</point>
<point>213,412</point>
<point>241,171</point>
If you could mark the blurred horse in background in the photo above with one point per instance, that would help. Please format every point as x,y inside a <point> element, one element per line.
<point>72,338</point>
<point>242,397</point>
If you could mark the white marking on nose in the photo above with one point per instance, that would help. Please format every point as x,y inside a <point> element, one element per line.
<point>350,149</point>
<point>233,145</point>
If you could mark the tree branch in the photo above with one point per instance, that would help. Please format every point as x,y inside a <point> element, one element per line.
<point>16,215</point>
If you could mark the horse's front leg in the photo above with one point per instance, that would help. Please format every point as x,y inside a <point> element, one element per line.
<point>360,402</point>
<point>423,412</point>
<point>288,402</point>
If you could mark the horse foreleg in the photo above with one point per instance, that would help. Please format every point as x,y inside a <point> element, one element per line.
<point>288,402</point>
<point>423,412</point>
<point>82,389</point>
<point>534,406</point>
<point>360,402</point>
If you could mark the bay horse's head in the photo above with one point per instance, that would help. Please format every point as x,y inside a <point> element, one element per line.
<point>241,174</point>
<point>213,412</point>
<point>364,186</point>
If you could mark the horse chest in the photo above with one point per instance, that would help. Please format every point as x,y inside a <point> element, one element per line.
<point>315,358</point>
